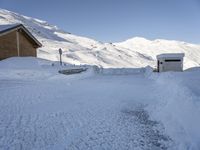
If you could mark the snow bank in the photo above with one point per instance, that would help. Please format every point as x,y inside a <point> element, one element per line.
<point>193,69</point>
<point>29,63</point>
<point>31,68</point>
<point>20,63</point>
<point>178,108</point>
<point>86,74</point>
<point>119,71</point>
<point>23,68</point>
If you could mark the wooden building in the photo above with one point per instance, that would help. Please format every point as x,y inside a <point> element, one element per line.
<point>16,40</point>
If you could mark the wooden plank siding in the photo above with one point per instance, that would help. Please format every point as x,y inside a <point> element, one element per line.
<point>8,45</point>
<point>26,47</point>
<point>16,43</point>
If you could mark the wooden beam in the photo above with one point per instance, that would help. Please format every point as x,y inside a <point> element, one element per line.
<point>18,50</point>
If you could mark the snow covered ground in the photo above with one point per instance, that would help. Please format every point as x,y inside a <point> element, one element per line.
<point>41,109</point>
<point>177,106</point>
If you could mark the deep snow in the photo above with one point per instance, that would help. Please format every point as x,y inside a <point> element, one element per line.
<point>85,111</point>
<point>177,106</point>
<point>98,109</point>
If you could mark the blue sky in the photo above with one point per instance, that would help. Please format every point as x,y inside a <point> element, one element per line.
<point>117,20</point>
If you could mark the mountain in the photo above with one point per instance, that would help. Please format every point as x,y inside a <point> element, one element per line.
<point>158,46</point>
<point>135,52</point>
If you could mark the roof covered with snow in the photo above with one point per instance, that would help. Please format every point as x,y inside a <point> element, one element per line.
<point>10,27</point>
<point>171,55</point>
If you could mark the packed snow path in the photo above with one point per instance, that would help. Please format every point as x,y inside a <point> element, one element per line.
<point>99,112</point>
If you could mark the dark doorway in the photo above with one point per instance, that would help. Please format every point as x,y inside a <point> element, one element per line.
<point>158,66</point>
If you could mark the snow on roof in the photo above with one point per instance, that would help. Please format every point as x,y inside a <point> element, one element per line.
<point>7,27</point>
<point>171,55</point>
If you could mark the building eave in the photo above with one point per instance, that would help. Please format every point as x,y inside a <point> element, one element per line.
<point>170,55</point>
<point>22,27</point>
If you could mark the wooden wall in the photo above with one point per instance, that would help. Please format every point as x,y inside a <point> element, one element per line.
<point>26,46</point>
<point>8,45</point>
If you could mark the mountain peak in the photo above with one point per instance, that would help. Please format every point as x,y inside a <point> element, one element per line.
<point>138,39</point>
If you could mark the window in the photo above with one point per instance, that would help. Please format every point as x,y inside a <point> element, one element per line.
<point>172,60</point>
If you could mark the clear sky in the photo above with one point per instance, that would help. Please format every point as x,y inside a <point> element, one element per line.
<point>117,20</point>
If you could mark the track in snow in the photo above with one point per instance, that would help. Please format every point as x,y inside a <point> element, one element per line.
<point>101,112</point>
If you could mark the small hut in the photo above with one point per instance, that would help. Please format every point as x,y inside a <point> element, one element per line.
<point>170,62</point>
<point>16,40</point>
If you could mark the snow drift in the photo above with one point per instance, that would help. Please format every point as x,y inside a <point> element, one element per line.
<point>177,106</point>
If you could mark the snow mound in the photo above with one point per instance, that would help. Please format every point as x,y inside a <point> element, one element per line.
<point>21,63</point>
<point>24,68</point>
<point>31,68</point>
<point>177,106</point>
<point>119,71</point>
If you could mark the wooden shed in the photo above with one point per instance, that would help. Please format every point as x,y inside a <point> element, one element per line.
<point>16,40</point>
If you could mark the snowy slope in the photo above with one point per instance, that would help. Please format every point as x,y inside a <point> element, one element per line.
<point>155,47</point>
<point>136,52</point>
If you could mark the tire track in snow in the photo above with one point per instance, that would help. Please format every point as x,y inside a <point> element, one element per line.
<point>129,130</point>
<point>89,122</point>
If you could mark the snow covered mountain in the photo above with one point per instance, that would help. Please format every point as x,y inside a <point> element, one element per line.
<point>135,52</point>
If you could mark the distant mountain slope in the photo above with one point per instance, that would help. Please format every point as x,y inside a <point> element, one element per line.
<point>155,47</point>
<point>136,52</point>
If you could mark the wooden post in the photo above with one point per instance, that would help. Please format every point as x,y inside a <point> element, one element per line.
<point>17,36</point>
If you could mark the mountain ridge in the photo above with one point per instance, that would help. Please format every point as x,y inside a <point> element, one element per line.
<point>133,52</point>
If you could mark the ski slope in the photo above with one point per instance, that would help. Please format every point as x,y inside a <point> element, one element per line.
<point>132,53</point>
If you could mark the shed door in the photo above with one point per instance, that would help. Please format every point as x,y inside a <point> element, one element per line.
<point>173,66</point>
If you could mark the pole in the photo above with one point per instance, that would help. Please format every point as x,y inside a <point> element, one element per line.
<point>61,59</point>
<point>60,52</point>
<point>18,53</point>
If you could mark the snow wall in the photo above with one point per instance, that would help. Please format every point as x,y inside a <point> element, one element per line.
<point>177,107</point>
